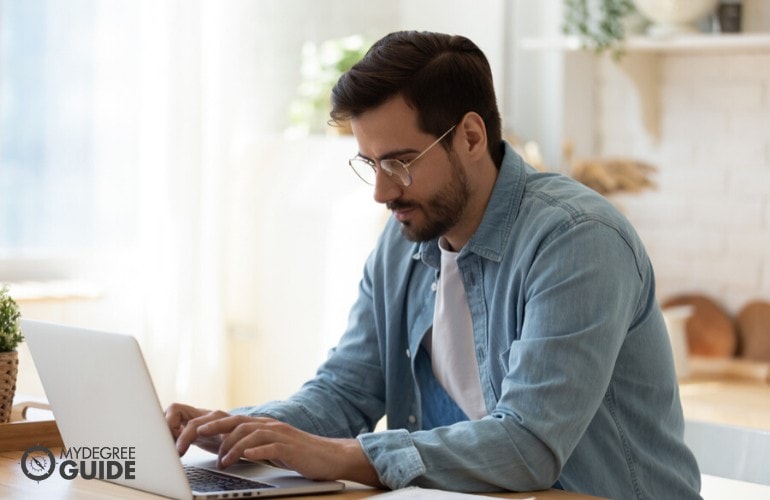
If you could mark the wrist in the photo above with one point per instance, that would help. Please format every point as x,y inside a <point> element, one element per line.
<point>357,466</point>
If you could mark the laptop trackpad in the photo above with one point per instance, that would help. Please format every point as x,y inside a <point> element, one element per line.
<point>258,471</point>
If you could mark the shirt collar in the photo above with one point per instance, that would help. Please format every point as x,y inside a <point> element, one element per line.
<point>490,238</point>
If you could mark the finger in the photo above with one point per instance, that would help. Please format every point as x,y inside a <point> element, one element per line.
<point>273,453</point>
<point>245,435</point>
<point>190,431</point>
<point>266,453</point>
<point>176,416</point>
<point>225,424</point>
<point>251,433</point>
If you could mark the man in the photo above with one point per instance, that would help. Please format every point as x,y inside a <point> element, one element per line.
<point>506,323</point>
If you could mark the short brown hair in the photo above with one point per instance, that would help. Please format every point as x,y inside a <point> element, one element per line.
<point>442,76</point>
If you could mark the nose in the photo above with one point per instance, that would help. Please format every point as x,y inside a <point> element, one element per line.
<point>386,187</point>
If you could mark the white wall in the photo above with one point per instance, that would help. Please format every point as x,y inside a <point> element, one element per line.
<point>707,226</point>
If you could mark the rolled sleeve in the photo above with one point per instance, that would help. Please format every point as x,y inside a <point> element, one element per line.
<point>394,456</point>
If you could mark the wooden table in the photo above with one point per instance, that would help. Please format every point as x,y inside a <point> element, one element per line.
<point>15,485</point>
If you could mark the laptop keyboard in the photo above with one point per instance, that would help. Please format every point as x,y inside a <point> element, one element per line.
<point>205,480</point>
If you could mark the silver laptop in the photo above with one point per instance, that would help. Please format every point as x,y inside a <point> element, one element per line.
<point>106,408</point>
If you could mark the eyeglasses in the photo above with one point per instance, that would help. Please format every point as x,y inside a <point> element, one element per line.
<point>366,169</point>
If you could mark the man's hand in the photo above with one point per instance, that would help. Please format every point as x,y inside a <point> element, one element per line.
<point>184,420</point>
<point>233,437</point>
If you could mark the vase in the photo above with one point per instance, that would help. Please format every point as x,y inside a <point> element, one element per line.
<point>674,17</point>
<point>9,367</point>
<point>676,323</point>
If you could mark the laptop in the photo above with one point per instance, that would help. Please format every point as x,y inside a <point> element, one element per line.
<point>106,407</point>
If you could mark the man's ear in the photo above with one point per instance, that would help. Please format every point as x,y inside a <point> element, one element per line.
<point>473,133</point>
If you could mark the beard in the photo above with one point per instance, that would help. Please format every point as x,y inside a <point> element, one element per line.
<point>442,211</point>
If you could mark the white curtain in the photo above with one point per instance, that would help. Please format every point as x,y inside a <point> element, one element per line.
<point>223,199</point>
<point>181,164</point>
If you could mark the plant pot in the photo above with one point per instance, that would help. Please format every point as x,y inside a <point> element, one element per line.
<point>674,17</point>
<point>9,367</point>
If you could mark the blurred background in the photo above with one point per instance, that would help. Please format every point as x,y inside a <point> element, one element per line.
<point>166,169</point>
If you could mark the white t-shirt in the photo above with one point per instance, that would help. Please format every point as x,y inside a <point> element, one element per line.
<point>453,354</point>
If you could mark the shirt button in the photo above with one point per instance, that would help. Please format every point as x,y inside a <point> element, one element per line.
<point>408,354</point>
<point>412,419</point>
<point>434,286</point>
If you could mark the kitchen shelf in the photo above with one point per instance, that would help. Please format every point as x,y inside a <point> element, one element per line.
<point>682,43</point>
<point>641,60</point>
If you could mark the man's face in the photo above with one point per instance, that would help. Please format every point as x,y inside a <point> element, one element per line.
<point>435,201</point>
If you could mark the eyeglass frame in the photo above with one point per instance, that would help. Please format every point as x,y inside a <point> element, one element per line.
<point>391,171</point>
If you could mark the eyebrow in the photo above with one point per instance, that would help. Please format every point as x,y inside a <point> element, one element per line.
<point>390,154</point>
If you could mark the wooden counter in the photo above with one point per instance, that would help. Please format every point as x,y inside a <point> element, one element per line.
<point>730,392</point>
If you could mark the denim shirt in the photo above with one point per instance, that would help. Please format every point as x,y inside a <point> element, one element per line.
<point>574,359</point>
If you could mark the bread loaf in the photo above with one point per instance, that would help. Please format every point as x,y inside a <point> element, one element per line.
<point>710,331</point>
<point>753,322</point>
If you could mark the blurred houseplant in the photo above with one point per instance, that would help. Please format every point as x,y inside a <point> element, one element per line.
<point>322,65</point>
<point>599,24</point>
<point>10,338</point>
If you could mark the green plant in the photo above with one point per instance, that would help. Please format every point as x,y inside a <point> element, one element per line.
<point>598,23</point>
<point>322,65</point>
<point>10,332</point>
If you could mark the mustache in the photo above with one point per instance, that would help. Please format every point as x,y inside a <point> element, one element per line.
<point>400,205</point>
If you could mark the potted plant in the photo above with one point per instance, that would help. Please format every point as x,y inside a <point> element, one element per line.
<point>10,338</point>
<point>599,24</point>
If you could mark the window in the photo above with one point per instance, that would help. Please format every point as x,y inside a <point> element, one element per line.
<point>54,167</point>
